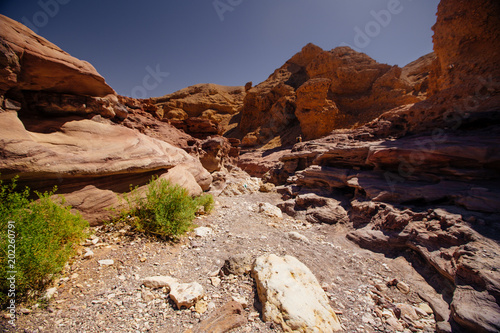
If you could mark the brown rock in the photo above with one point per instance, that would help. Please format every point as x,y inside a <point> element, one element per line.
<point>215,153</point>
<point>317,115</point>
<point>211,102</point>
<point>88,157</point>
<point>324,90</point>
<point>229,317</point>
<point>180,175</point>
<point>30,62</point>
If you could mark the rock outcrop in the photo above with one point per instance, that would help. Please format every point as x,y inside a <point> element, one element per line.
<point>319,91</point>
<point>61,124</point>
<point>422,178</point>
<point>203,109</point>
<point>30,62</point>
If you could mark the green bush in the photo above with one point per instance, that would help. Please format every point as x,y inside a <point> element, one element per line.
<point>166,210</point>
<point>45,235</point>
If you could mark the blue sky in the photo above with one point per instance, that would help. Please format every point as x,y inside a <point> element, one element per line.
<point>240,41</point>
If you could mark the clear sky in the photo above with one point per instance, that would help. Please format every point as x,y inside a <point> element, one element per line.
<point>228,42</point>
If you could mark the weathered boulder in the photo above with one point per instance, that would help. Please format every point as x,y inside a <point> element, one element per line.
<point>181,176</point>
<point>185,295</point>
<point>215,153</point>
<point>159,282</point>
<point>291,296</point>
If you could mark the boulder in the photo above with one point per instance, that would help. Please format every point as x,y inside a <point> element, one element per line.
<point>181,176</point>
<point>224,319</point>
<point>291,296</point>
<point>270,210</point>
<point>159,282</point>
<point>185,295</point>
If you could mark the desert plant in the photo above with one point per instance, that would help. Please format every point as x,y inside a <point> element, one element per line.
<point>37,238</point>
<point>165,210</point>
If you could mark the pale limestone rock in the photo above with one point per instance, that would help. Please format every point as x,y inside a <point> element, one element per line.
<point>270,210</point>
<point>88,254</point>
<point>106,262</point>
<point>147,295</point>
<point>298,237</point>
<point>186,294</point>
<point>201,307</point>
<point>159,282</point>
<point>203,231</point>
<point>50,293</point>
<point>292,296</point>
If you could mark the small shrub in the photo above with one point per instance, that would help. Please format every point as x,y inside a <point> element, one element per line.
<point>46,235</point>
<point>166,210</point>
<point>206,201</point>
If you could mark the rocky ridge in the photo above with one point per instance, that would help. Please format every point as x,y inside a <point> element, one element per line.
<point>318,91</point>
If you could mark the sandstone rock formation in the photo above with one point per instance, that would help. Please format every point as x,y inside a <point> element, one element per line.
<point>91,161</point>
<point>212,106</point>
<point>422,178</point>
<point>61,124</point>
<point>291,296</point>
<point>319,91</point>
<point>30,62</point>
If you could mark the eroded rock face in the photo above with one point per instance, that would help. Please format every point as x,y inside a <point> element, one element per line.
<point>423,178</point>
<point>30,62</point>
<point>323,90</point>
<point>92,161</point>
<point>450,246</point>
<point>291,296</point>
<point>214,104</point>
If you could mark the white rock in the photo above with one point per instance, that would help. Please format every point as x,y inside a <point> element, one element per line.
<point>50,293</point>
<point>240,299</point>
<point>215,281</point>
<point>186,294</point>
<point>106,262</point>
<point>270,210</point>
<point>298,237</point>
<point>88,254</point>
<point>292,296</point>
<point>147,295</point>
<point>159,282</point>
<point>203,231</point>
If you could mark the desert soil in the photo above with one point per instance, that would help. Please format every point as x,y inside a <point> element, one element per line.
<point>95,298</point>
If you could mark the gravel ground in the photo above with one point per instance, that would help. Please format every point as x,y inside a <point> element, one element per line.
<point>92,297</point>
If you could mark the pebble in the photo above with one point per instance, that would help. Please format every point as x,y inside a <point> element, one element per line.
<point>88,254</point>
<point>201,307</point>
<point>403,287</point>
<point>426,308</point>
<point>106,262</point>
<point>298,237</point>
<point>215,281</point>
<point>203,231</point>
